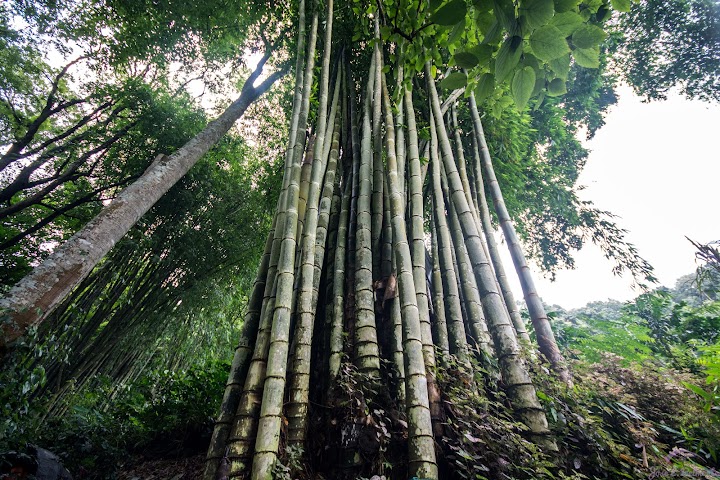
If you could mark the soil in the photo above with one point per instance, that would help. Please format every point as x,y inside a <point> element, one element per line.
<point>140,468</point>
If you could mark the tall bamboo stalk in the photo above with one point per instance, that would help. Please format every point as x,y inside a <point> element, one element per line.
<point>541,323</point>
<point>521,391</point>
<point>500,274</point>
<point>421,449</point>
<point>367,356</point>
<point>309,278</point>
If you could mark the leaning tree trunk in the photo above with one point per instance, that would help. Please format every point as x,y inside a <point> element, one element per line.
<point>541,323</point>
<point>30,301</point>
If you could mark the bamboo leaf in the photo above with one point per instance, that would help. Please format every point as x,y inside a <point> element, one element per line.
<point>548,43</point>
<point>587,57</point>
<point>507,58</point>
<point>466,60</point>
<point>698,391</point>
<point>454,81</point>
<point>522,86</point>
<point>588,36</point>
<point>537,12</point>
<point>450,14</point>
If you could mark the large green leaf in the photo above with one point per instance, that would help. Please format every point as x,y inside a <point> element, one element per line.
<point>587,57</point>
<point>548,43</point>
<point>621,5</point>
<point>485,87</point>
<point>450,14</point>
<point>505,13</point>
<point>483,53</point>
<point>592,6</point>
<point>454,81</point>
<point>561,66</point>
<point>493,34</point>
<point>522,86</point>
<point>507,58</point>
<point>484,21</point>
<point>567,22</point>
<point>466,60</point>
<point>565,5</point>
<point>557,87</point>
<point>588,36</point>
<point>537,12</point>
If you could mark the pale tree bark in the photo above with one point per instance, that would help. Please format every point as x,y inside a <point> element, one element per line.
<point>30,301</point>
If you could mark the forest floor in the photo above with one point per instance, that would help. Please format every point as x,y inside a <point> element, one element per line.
<point>141,468</point>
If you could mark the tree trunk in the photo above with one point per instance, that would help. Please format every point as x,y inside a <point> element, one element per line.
<point>35,296</point>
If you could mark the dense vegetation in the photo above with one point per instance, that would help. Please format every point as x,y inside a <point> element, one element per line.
<point>414,138</point>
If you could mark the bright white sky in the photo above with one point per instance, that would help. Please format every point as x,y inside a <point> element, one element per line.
<point>656,166</point>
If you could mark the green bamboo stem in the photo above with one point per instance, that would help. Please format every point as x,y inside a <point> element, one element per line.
<point>454,317</point>
<point>386,253</point>
<point>243,432</point>
<point>338,290</point>
<point>440,333</point>
<point>417,230</point>
<point>400,131</point>
<point>498,266</point>
<point>366,354</point>
<point>421,448</point>
<point>296,410</point>
<point>477,325</point>
<point>376,201</point>
<point>239,366</point>
<point>544,334</point>
<point>271,412</point>
<point>521,391</point>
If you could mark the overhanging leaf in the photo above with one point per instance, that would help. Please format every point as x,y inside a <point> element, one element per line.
<point>522,86</point>
<point>485,87</point>
<point>587,57</point>
<point>588,36</point>
<point>537,12</point>
<point>483,53</point>
<point>450,14</point>
<point>507,58</point>
<point>466,60</point>
<point>561,66</point>
<point>454,81</point>
<point>557,87</point>
<point>505,13</point>
<point>548,43</point>
<point>567,22</point>
<point>621,5</point>
<point>565,5</point>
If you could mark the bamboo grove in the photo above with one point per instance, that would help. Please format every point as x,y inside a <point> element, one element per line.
<point>382,263</point>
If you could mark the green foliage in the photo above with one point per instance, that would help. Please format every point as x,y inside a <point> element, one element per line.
<point>522,86</point>
<point>17,383</point>
<point>162,414</point>
<point>481,439</point>
<point>687,32</point>
<point>632,358</point>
